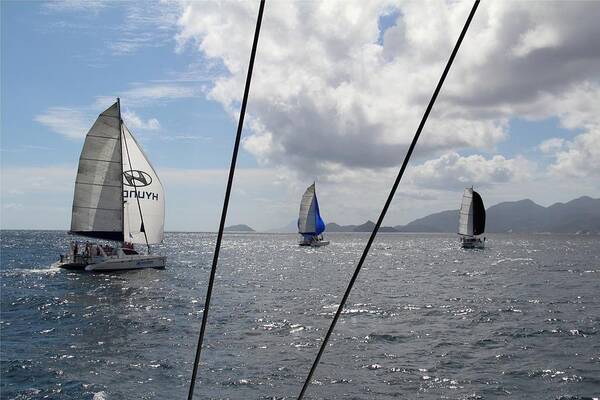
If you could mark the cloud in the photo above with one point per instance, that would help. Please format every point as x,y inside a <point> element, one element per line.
<point>451,171</point>
<point>132,120</point>
<point>19,181</point>
<point>69,122</point>
<point>75,122</point>
<point>140,95</point>
<point>76,5</point>
<point>551,145</point>
<point>36,197</point>
<point>138,24</point>
<point>147,24</point>
<point>331,88</point>
<point>159,91</point>
<point>171,138</point>
<point>577,111</point>
<point>13,206</point>
<point>579,157</point>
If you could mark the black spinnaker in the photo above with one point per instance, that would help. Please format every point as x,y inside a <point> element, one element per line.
<point>478,214</point>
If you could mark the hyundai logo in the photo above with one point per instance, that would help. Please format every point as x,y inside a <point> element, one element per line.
<point>136,178</point>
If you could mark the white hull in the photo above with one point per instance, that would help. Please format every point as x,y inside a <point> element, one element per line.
<point>128,262</point>
<point>96,259</point>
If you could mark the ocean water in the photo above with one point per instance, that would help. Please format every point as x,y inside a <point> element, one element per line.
<point>426,320</point>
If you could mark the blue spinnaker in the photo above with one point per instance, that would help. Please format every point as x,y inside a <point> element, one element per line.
<point>319,224</point>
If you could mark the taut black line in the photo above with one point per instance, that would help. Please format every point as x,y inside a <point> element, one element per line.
<point>389,200</point>
<point>226,201</point>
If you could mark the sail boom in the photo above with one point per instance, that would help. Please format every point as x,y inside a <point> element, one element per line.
<point>104,235</point>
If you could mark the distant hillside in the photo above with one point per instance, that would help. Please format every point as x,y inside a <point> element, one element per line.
<point>239,228</point>
<point>366,227</point>
<point>333,227</point>
<point>581,215</point>
<point>445,221</point>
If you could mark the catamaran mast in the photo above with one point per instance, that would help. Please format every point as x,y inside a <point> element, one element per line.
<point>121,163</point>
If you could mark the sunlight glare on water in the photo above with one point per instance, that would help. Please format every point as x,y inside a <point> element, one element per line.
<point>426,319</point>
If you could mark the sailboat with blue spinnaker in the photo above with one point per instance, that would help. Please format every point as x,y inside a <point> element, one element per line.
<point>310,223</point>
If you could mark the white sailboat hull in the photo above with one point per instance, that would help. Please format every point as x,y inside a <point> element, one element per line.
<point>118,197</point>
<point>128,263</point>
<point>118,262</point>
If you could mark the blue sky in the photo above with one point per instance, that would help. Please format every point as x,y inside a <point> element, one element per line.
<point>63,58</point>
<point>334,100</point>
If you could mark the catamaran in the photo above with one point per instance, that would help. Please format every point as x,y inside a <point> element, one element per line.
<point>118,197</point>
<point>310,223</point>
<point>471,221</point>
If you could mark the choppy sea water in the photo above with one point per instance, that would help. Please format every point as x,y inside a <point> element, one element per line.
<point>426,320</point>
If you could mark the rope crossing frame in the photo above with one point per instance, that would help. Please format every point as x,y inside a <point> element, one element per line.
<point>226,202</point>
<point>389,199</point>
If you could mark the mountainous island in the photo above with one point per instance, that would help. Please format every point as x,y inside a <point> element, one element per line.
<point>581,215</point>
<point>238,228</point>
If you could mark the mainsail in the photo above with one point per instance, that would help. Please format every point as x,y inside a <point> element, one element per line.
<point>118,195</point>
<point>309,220</point>
<point>472,214</point>
<point>97,202</point>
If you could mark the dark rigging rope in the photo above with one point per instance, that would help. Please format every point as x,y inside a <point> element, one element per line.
<point>388,201</point>
<point>226,201</point>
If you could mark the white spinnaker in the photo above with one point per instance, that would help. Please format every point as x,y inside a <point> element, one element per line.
<point>465,221</point>
<point>138,171</point>
<point>307,218</point>
<point>97,199</point>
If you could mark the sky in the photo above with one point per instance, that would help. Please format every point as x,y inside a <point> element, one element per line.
<point>338,90</point>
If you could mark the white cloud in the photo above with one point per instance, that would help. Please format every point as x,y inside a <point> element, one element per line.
<point>540,37</point>
<point>74,123</point>
<point>67,121</point>
<point>577,111</point>
<point>146,24</point>
<point>579,157</point>
<point>76,5</point>
<point>148,93</point>
<point>551,145</point>
<point>139,25</point>
<point>12,206</point>
<point>159,91</point>
<point>36,197</point>
<point>134,121</point>
<point>326,92</point>
<point>451,171</point>
<point>19,181</point>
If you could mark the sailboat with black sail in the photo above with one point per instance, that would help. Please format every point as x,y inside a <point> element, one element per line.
<point>118,197</point>
<point>310,223</point>
<point>471,221</point>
